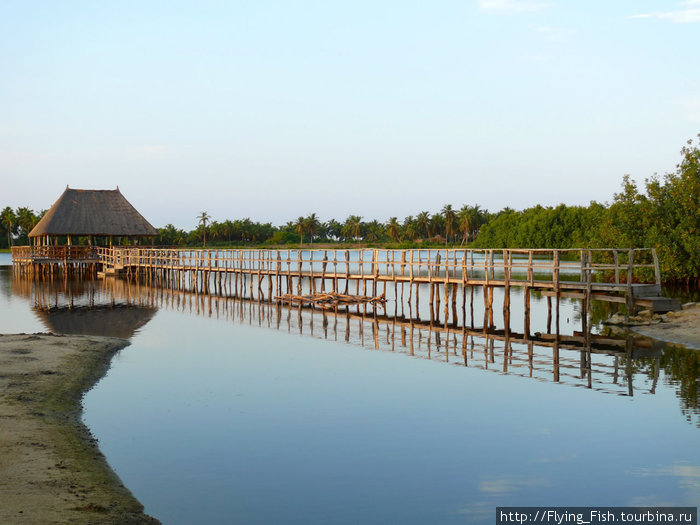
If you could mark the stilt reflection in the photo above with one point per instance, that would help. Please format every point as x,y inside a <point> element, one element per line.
<point>615,365</point>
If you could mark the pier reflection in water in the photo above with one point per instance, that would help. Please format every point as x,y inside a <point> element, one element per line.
<point>623,365</point>
<point>226,410</point>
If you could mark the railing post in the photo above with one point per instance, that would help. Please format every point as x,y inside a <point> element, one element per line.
<point>486,266</point>
<point>657,270</point>
<point>630,268</point>
<point>630,271</point>
<point>375,272</point>
<point>430,268</point>
<point>312,280</point>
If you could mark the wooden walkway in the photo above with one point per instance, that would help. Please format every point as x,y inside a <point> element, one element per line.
<point>628,276</point>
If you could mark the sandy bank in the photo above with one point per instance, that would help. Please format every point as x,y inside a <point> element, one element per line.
<point>682,327</point>
<point>51,470</point>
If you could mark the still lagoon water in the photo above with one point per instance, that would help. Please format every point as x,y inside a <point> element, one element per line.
<point>224,411</point>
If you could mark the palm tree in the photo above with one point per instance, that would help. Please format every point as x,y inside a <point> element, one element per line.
<point>215,231</point>
<point>169,234</point>
<point>203,218</point>
<point>374,231</point>
<point>393,228</point>
<point>449,214</point>
<point>409,228</point>
<point>334,229</point>
<point>300,227</point>
<point>312,225</point>
<point>26,220</point>
<point>437,224</point>
<point>8,220</point>
<point>470,219</point>
<point>464,221</point>
<point>423,223</point>
<point>353,227</point>
<point>479,218</point>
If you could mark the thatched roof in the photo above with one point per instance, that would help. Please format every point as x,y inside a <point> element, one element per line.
<point>93,212</point>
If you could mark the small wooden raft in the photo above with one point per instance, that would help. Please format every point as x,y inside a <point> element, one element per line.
<point>330,301</point>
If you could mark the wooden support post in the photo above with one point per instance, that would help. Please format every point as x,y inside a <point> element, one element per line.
<point>335,274</point>
<point>299,270</point>
<point>278,268</point>
<point>630,271</point>
<point>506,276</point>
<point>312,282</point>
<point>455,289</point>
<point>471,307</point>
<point>556,318</point>
<point>362,274</point>
<point>375,272</point>
<point>447,300</point>
<point>485,293</point>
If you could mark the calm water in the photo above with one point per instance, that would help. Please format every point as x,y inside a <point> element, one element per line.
<point>223,411</point>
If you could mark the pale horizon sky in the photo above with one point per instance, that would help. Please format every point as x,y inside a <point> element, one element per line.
<point>275,109</point>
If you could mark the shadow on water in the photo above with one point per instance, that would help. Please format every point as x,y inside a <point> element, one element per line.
<point>621,364</point>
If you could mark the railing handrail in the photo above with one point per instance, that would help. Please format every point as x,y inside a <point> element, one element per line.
<point>372,262</point>
<point>55,252</point>
<point>437,262</point>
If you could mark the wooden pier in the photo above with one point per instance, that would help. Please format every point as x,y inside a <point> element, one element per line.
<point>629,276</point>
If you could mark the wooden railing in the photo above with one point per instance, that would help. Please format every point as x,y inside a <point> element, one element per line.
<point>28,254</point>
<point>620,267</point>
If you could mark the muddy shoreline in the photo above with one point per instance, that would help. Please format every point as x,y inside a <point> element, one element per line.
<point>681,327</point>
<point>51,469</point>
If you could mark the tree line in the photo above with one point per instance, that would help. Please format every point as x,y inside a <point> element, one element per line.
<point>15,225</point>
<point>665,215</point>
<point>447,226</point>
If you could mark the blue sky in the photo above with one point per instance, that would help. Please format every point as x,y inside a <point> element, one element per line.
<point>275,109</point>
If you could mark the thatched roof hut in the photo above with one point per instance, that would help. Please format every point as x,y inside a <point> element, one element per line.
<point>92,213</point>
